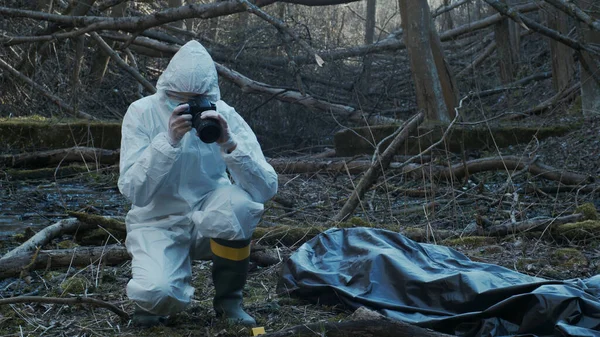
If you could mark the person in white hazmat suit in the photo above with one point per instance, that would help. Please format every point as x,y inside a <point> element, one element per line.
<point>184,206</point>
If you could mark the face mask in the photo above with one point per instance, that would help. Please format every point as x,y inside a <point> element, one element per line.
<point>171,104</point>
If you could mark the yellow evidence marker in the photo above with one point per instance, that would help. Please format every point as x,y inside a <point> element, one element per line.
<point>258,331</point>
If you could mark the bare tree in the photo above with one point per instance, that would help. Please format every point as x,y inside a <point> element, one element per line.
<point>504,51</point>
<point>434,83</point>
<point>563,64</point>
<point>447,22</point>
<point>590,85</point>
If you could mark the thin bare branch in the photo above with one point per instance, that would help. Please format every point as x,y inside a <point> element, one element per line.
<point>64,106</point>
<point>515,15</point>
<point>73,300</point>
<point>443,9</point>
<point>133,72</point>
<point>282,28</point>
<point>575,12</point>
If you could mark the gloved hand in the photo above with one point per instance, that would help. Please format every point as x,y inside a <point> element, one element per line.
<point>226,141</point>
<point>179,125</point>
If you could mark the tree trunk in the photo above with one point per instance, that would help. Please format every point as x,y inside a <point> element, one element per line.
<point>79,42</point>
<point>504,51</point>
<point>370,24</point>
<point>447,22</point>
<point>563,65</point>
<point>369,39</point>
<point>241,23</point>
<point>590,88</point>
<point>434,84</point>
<point>100,62</point>
<point>213,28</point>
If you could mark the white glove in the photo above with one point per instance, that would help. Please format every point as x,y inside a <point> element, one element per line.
<point>179,125</point>
<point>225,141</point>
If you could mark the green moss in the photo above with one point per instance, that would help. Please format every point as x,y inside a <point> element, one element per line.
<point>74,285</point>
<point>99,220</point>
<point>470,241</point>
<point>584,230</point>
<point>66,244</point>
<point>10,321</point>
<point>52,274</point>
<point>528,264</point>
<point>588,210</point>
<point>568,258</point>
<point>358,222</point>
<point>19,237</point>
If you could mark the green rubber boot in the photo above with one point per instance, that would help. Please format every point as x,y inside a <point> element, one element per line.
<point>230,270</point>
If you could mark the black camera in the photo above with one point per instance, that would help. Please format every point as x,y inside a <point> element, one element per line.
<point>209,129</point>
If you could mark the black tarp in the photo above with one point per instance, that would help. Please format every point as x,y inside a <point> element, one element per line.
<point>437,287</point>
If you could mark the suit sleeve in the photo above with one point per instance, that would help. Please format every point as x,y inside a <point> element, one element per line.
<point>145,162</point>
<point>247,163</point>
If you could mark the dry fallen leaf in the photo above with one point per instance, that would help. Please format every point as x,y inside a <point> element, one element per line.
<point>319,60</point>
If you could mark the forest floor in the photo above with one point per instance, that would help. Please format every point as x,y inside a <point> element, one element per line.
<point>315,198</point>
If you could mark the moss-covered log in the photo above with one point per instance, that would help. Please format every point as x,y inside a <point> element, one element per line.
<point>102,221</point>
<point>47,172</point>
<point>60,258</point>
<point>26,135</point>
<point>61,156</point>
<point>578,231</point>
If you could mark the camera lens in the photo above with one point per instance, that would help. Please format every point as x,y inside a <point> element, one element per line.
<point>209,129</point>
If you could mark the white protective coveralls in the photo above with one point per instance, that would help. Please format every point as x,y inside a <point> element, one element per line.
<point>181,196</point>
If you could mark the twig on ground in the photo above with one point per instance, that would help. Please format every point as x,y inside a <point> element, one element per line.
<point>74,300</point>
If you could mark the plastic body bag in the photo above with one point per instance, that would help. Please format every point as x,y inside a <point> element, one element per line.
<point>181,196</point>
<point>437,287</point>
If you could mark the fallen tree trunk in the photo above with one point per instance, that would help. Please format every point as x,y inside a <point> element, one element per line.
<point>294,166</point>
<point>51,259</point>
<point>65,226</point>
<point>512,163</point>
<point>60,156</point>
<point>44,236</point>
<point>109,255</point>
<point>110,157</point>
<point>530,225</point>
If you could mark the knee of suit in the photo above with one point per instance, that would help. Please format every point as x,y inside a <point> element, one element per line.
<point>242,203</point>
<point>160,296</point>
<point>229,213</point>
